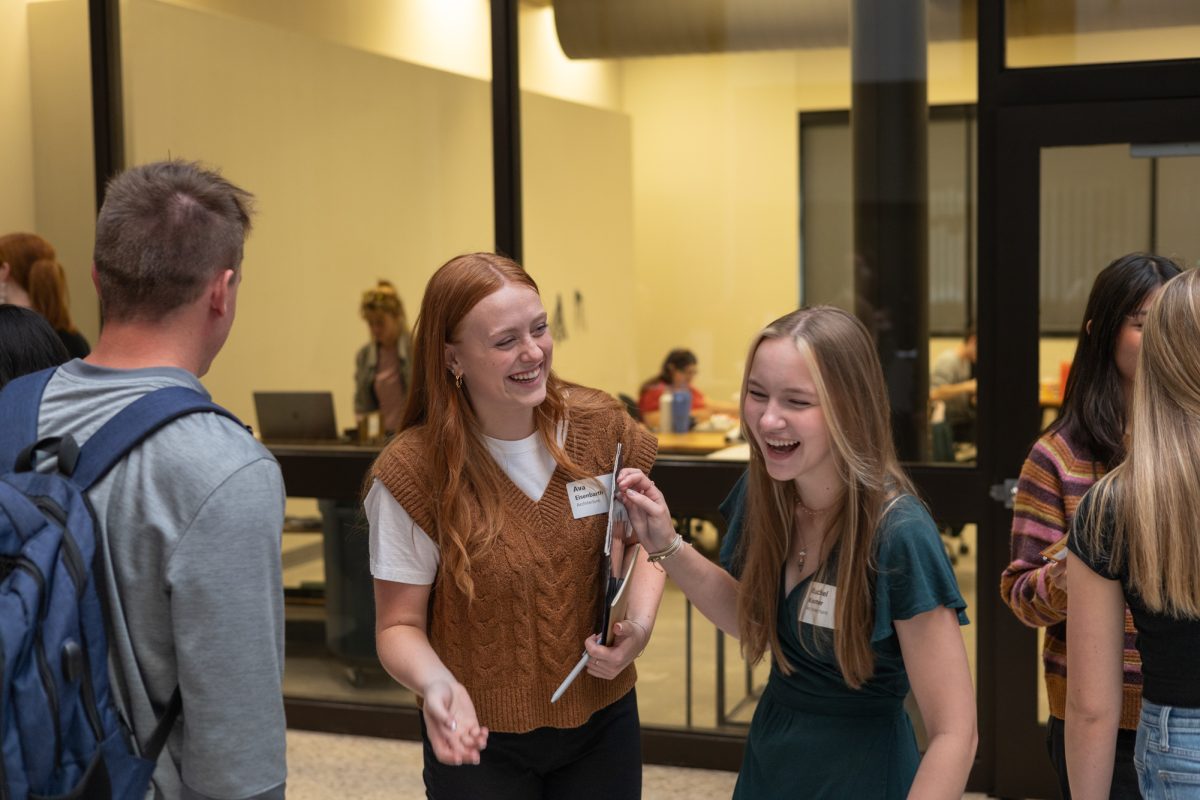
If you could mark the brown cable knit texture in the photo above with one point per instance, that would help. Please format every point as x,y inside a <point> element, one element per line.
<point>536,589</point>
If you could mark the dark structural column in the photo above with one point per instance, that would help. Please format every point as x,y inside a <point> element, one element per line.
<point>888,120</point>
<point>506,129</point>
<point>108,130</point>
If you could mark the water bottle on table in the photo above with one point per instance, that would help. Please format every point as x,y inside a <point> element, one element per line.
<point>681,410</point>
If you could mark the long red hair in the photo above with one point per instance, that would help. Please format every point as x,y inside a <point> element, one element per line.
<point>468,510</point>
<point>34,266</point>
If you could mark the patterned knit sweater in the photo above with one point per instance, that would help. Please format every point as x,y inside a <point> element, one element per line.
<point>536,588</point>
<point>1055,477</point>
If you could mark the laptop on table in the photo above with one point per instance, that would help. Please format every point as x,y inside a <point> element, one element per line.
<point>296,417</point>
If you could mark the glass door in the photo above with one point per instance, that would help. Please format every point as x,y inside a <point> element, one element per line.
<point>1077,185</point>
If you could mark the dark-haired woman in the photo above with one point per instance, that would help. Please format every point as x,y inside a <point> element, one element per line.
<point>1085,442</point>
<point>27,343</point>
<point>678,371</point>
<point>31,276</point>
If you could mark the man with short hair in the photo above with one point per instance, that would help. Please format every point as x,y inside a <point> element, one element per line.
<point>191,518</point>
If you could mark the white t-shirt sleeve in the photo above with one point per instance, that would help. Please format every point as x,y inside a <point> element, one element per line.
<point>400,550</point>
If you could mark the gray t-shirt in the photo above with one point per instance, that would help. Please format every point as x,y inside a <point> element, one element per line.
<point>192,522</point>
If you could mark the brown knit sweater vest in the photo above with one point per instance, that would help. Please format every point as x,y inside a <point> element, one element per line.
<point>536,588</point>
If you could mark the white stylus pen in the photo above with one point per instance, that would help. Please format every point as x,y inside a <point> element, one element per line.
<point>562,687</point>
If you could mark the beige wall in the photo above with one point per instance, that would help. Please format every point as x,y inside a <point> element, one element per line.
<point>64,200</point>
<point>367,167</point>
<point>448,35</point>
<point>16,132</point>
<point>716,192</point>
<point>663,190</point>
<point>579,235</point>
<point>1149,44</point>
<point>364,167</point>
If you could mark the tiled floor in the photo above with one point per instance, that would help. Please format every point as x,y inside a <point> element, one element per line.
<point>325,766</point>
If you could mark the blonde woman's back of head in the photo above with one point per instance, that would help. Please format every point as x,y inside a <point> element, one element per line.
<point>1152,497</point>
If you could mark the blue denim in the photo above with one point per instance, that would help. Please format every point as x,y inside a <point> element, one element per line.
<point>1167,753</point>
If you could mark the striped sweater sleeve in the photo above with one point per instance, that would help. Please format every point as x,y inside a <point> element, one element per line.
<point>1045,503</point>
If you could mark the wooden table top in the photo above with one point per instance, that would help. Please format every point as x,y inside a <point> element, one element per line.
<point>693,443</point>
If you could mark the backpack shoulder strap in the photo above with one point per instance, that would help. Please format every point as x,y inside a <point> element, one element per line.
<point>134,424</point>
<point>19,405</point>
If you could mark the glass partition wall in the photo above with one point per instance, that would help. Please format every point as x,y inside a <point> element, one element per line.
<point>667,205</point>
<point>667,201</point>
<point>365,132</point>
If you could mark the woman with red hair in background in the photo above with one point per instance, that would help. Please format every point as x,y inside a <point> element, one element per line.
<point>30,276</point>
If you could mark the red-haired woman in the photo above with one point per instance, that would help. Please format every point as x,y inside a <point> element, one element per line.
<point>486,562</point>
<point>31,276</point>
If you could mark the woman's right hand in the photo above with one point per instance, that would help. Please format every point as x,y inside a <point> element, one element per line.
<point>450,720</point>
<point>647,508</point>
<point>1056,573</point>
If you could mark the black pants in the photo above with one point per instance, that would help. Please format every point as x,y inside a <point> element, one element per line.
<point>1124,780</point>
<point>600,759</point>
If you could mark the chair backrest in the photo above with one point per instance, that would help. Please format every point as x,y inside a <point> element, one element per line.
<point>631,406</point>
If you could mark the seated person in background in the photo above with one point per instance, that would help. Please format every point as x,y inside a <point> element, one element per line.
<point>383,367</point>
<point>952,381</point>
<point>27,343</point>
<point>678,371</point>
<point>31,276</point>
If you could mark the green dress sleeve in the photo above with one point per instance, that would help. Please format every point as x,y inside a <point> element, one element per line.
<point>733,508</point>
<point>914,573</point>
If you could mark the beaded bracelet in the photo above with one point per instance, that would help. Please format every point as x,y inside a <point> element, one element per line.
<point>674,547</point>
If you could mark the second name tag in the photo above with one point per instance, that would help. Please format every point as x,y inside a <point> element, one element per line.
<point>819,605</point>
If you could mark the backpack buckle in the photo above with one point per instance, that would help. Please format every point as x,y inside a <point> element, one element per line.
<point>63,448</point>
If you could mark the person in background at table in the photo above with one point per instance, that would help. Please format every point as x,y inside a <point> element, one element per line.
<point>1134,542</point>
<point>486,550</point>
<point>27,343</point>
<point>678,371</point>
<point>1086,441</point>
<point>842,578</point>
<point>952,381</point>
<point>31,276</point>
<point>383,368</point>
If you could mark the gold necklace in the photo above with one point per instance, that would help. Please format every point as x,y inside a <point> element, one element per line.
<point>811,512</point>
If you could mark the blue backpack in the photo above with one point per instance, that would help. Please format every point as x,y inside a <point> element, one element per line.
<point>60,733</point>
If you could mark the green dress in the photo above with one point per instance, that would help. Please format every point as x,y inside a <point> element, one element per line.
<point>814,737</point>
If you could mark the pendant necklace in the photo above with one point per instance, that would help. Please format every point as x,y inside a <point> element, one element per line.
<point>802,556</point>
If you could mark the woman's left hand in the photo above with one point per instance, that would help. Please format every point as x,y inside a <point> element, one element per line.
<point>629,640</point>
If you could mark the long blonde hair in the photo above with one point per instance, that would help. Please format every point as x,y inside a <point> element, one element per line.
<point>468,510</point>
<point>851,391</point>
<point>1151,499</point>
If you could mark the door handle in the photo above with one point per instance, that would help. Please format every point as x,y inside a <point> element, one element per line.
<point>1005,492</point>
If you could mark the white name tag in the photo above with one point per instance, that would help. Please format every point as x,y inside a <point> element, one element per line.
<point>590,498</point>
<point>819,605</point>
